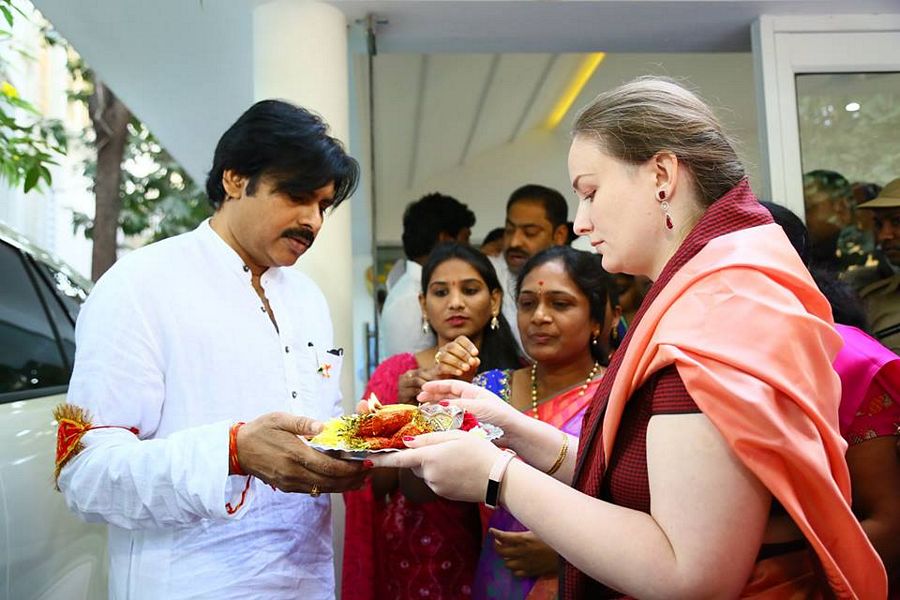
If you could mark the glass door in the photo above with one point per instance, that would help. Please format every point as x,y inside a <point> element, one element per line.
<point>805,67</point>
<point>829,93</point>
<point>849,150</point>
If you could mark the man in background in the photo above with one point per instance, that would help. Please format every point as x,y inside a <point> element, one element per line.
<point>536,218</point>
<point>493,242</point>
<point>879,285</point>
<point>428,221</point>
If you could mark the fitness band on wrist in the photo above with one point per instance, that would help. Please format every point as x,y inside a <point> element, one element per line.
<point>492,496</point>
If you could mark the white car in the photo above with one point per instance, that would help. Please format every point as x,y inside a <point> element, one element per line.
<point>46,553</point>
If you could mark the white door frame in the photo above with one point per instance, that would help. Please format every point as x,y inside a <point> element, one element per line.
<point>784,46</point>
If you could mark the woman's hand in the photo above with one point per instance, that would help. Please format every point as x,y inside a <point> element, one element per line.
<point>524,553</point>
<point>457,359</point>
<point>454,464</point>
<point>454,360</point>
<point>486,406</point>
<point>410,384</point>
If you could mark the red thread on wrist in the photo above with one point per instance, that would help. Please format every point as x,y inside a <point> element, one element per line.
<point>234,467</point>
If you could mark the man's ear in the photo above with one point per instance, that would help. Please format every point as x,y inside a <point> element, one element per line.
<point>561,235</point>
<point>233,183</point>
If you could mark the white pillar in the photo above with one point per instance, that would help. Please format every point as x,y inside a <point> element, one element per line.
<point>300,55</point>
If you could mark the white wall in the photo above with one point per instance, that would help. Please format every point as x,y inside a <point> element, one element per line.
<point>485,183</point>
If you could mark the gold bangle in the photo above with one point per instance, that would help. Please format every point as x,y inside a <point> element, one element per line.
<point>562,455</point>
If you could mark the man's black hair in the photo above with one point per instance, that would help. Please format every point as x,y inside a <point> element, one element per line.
<point>427,218</point>
<point>793,228</point>
<point>494,235</point>
<point>287,143</point>
<point>572,236</point>
<point>554,204</point>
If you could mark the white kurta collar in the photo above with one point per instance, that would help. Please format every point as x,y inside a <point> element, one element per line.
<point>227,257</point>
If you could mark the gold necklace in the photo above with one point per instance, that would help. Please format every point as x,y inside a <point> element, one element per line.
<point>534,393</point>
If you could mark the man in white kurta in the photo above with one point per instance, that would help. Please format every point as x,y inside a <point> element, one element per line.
<point>401,317</point>
<point>181,340</point>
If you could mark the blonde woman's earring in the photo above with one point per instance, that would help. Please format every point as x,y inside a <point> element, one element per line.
<point>664,205</point>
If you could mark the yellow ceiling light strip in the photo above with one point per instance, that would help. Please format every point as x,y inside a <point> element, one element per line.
<point>582,75</point>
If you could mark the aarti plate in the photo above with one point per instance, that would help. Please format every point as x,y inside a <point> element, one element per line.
<point>441,418</point>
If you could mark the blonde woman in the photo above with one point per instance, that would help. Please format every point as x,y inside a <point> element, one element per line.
<point>710,464</point>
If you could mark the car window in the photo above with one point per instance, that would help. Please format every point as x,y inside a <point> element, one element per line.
<point>30,356</point>
<point>58,300</point>
<point>70,293</point>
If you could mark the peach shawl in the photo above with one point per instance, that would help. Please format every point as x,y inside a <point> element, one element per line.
<point>775,403</point>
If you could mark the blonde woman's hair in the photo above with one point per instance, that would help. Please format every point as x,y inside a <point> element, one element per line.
<point>648,115</point>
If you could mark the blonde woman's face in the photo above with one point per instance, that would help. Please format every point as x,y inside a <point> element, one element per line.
<point>617,209</point>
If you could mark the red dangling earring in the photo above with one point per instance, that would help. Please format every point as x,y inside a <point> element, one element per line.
<point>665,206</point>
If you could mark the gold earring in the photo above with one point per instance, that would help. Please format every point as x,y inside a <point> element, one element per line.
<point>495,324</point>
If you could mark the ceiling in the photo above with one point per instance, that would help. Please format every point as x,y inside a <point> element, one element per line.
<point>435,112</point>
<point>583,25</point>
<point>473,125</point>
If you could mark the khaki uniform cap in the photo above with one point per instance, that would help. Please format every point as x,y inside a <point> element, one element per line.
<point>888,198</point>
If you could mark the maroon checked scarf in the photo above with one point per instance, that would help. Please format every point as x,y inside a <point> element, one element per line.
<point>738,209</point>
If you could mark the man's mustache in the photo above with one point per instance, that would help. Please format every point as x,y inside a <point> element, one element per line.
<point>304,235</point>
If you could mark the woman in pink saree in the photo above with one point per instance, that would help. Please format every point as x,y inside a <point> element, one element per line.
<point>870,422</point>
<point>400,540</point>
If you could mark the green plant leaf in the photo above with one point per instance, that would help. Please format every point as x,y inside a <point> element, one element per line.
<point>32,177</point>
<point>7,14</point>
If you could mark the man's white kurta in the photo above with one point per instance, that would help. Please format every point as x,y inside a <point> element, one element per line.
<point>401,317</point>
<point>173,340</point>
<point>508,283</point>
